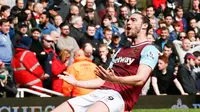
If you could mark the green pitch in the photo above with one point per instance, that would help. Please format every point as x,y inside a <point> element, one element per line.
<point>166,110</point>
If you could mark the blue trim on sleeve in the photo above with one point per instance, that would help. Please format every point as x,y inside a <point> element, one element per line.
<point>149,56</point>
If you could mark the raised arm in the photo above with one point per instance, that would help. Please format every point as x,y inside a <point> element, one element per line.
<point>89,84</point>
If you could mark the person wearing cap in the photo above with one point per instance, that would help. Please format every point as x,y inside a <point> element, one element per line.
<point>27,70</point>
<point>22,31</point>
<point>187,76</point>
<point>36,46</point>
<point>53,11</point>
<point>115,44</point>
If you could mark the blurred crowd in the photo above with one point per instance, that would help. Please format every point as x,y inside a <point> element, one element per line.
<point>41,39</point>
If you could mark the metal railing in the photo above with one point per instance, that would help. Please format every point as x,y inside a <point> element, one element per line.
<point>46,92</point>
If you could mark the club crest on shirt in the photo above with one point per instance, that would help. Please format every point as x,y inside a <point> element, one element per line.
<point>150,55</point>
<point>126,60</point>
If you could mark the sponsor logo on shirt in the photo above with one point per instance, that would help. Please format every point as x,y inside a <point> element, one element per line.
<point>126,60</point>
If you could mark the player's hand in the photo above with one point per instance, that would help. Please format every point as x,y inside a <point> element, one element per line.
<point>68,78</point>
<point>107,75</point>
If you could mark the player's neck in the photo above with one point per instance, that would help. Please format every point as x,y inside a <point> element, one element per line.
<point>141,37</point>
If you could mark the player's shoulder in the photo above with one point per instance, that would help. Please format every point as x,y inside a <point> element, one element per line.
<point>150,47</point>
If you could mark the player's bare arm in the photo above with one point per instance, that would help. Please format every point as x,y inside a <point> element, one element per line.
<point>135,80</point>
<point>89,84</point>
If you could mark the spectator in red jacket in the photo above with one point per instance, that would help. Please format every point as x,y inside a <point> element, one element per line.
<point>53,65</point>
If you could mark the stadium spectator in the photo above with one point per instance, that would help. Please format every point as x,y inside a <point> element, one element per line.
<point>186,75</point>
<point>45,25</point>
<point>163,79</point>
<point>124,13</point>
<point>185,46</point>
<point>76,28</point>
<point>5,12</point>
<point>27,70</point>
<point>57,21</point>
<point>67,42</point>
<point>82,69</point>
<point>53,65</point>
<point>19,6</point>
<point>107,23</point>
<point>88,50</point>
<point>104,57</point>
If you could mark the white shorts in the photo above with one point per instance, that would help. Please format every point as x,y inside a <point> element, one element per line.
<point>111,98</point>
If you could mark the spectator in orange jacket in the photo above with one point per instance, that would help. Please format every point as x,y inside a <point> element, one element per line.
<point>82,69</point>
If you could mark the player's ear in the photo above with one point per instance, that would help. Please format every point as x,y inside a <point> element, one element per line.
<point>145,26</point>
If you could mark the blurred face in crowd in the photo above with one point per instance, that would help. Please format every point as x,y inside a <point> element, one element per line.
<point>43,19</point>
<point>124,12</point>
<point>6,13</point>
<point>191,62</point>
<point>108,35</point>
<point>36,35</point>
<point>191,35</point>
<point>162,25</point>
<point>91,30</point>
<point>23,29</point>
<point>20,4</point>
<point>168,20</point>
<point>195,4</point>
<point>65,30</point>
<point>55,35</point>
<point>150,12</point>
<point>197,61</point>
<point>79,24</point>
<point>106,22</point>
<point>111,11</point>
<point>74,10</point>
<point>179,13</point>
<point>116,40</point>
<point>110,3</point>
<point>186,44</point>
<point>89,3</point>
<point>132,2</point>
<point>193,23</point>
<point>150,38</point>
<point>47,41</point>
<point>162,65</point>
<point>5,27</point>
<point>167,51</point>
<point>164,34</point>
<point>39,8</point>
<point>177,28</point>
<point>58,20</point>
<point>153,23</point>
<point>182,36</point>
<point>90,15</point>
<point>88,50</point>
<point>103,51</point>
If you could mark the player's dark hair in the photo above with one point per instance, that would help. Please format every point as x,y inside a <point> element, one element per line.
<point>145,20</point>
